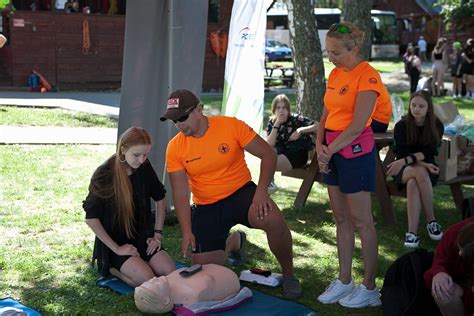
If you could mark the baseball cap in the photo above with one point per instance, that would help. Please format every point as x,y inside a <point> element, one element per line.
<point>179,103</point>
<point>457,45</point>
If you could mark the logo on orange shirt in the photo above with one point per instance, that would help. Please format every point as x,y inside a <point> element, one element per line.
<point>223,148</point>
<point>344,90</point>
<point>372,80</point>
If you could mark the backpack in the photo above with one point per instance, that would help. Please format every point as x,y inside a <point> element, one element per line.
<point>404,291</point>
<point>467,207</point>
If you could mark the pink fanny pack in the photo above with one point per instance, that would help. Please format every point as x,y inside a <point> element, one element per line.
<point>363,144</point>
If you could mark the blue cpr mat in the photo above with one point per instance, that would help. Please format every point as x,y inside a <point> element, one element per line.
<point>261,304</point>
<point>266,305</point>
<point>119,286</point>
<point>8,304</point>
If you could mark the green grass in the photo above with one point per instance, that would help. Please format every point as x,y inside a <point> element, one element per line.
<point>13,115</point>
<point>45,246</point>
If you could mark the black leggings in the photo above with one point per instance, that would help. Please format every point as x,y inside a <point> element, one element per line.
<point>414,78</point>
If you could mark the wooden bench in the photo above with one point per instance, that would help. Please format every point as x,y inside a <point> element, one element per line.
<point>384,189</point>
<point>288,81</point>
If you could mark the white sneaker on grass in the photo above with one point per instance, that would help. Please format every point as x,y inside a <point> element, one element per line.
<point>335,291</point>
<point>411,240</point>
<point>434,230</point>
<point>272,187</point>
<point>361,297</point>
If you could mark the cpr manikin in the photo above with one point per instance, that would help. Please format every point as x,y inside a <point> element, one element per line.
<point>212,283</point>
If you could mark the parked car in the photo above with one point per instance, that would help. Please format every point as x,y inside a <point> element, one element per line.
<point>274,50</point>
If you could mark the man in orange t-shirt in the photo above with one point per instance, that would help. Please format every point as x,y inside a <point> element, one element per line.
<point>209,153</point>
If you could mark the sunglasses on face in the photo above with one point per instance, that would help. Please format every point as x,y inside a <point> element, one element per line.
<point>185,116</point>
<point>341,29</point>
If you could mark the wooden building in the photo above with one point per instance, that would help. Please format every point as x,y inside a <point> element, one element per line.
<point>421,18</point>
<point>79,50</point>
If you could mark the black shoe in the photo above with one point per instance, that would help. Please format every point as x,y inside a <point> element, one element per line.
<point>235,258</point>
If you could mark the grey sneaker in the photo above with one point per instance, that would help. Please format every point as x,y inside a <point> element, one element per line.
<point>236,258</point>
<point>291,288</point>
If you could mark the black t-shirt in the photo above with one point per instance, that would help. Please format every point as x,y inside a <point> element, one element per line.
<point>145,185</point>
<point>402,149</point>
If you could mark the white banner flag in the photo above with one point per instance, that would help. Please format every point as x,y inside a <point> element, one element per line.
<point>244,67</point>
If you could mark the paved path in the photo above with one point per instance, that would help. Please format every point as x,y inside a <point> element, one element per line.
<point>99,103</point>
<point>56,135</point>
<point>107,104</point>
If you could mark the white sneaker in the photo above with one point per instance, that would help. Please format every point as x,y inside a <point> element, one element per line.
<point>361,297</point>
<point>272,187</point>
<point>335,291</point>
<point>434,230</point>
<point>411,240</point>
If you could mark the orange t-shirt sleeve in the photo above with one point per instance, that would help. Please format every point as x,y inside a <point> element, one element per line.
<point>243,132</point>
<point>173,162</point>
<point>370,81</point>
<point>383,107</point>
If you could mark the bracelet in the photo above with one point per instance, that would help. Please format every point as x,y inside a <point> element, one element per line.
<point>276,127</point>
<point>406,161</point>
<point>159,231</point>
<point>413,157</point>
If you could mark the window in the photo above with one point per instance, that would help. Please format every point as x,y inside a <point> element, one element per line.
<point>213,12</point>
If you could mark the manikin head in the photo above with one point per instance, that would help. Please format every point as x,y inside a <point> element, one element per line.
<point>153,296</point>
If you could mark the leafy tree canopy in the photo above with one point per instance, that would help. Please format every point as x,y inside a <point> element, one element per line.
<point>456,10</point>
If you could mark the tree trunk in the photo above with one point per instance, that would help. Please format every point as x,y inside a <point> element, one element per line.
<point>358,12</point>
<point>307,58</point>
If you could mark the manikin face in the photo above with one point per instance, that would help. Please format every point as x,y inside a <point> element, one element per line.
<point>419,108</point>
<point>136,155</point>
<point>153,296</point>
<point>339,55</point>
<point>281,111</point>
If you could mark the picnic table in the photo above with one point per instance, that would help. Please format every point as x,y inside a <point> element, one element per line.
<point>287,75</point>
<point>385,187</point>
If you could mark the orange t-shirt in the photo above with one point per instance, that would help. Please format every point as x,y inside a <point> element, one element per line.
<point>383,107</point>
<point>214,163</point>
<point>341,93</point>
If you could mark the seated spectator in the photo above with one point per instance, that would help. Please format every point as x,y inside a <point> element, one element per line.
<point>289,134</point>
<point>416,140</point>
<point>118,210</point>
<point>451,277</point>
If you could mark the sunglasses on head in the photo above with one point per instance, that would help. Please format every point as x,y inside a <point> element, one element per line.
<point>341,29</point>
<point>185,116</point>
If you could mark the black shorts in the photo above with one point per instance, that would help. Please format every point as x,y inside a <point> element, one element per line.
<point>117,261</point>
<point>211,223</point>
<point>378,127</point>
<point>401,186</point>
<point>298,158</point>
<point>467,69</point>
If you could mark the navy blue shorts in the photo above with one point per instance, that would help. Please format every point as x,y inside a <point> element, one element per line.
<point>211,223</point>
<point>352,175</point>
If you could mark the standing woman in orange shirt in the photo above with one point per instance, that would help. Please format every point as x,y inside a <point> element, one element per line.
<point>346,155</point>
